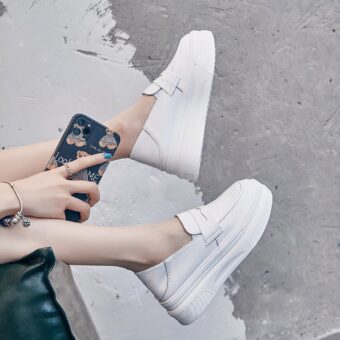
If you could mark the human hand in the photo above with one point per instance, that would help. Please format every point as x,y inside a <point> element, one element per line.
<point>48,194</point>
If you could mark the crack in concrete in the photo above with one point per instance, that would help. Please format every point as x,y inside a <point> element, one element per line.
<point>94,54</point>
<point>3,9</point>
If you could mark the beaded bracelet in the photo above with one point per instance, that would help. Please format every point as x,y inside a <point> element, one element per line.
<point>18,217</point>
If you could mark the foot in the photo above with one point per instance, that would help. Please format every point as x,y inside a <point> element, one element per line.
<point>223,233</point>
<point>172,137</point>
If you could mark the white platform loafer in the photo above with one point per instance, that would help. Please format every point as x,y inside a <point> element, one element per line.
<point>172,137</point>
<point>223,233</point>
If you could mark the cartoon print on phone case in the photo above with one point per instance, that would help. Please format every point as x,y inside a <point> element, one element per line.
<point>83,137</point>
<point>81,153</point>
<point>82,175</point>
<point>76,136</point>
<point>52,163</point>
<point>108,141</point>
<point>102,168</point>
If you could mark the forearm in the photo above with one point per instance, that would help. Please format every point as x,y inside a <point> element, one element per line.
<point>24,161</point>
<point>9,204</point>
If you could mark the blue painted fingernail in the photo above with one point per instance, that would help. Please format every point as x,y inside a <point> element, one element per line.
<point>107,156</point>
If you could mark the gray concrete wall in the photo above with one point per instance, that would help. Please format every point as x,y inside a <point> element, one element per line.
<point>274,115</point>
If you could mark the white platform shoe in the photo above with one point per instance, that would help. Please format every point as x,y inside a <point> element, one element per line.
<point>172,137</point>
<point>223,233</point>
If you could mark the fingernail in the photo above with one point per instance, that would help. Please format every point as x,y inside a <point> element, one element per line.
<point>107,155</point>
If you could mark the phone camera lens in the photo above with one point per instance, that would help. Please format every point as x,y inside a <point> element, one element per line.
<point>81,121</point>
<point>86,131</point>
<point>76,131</point>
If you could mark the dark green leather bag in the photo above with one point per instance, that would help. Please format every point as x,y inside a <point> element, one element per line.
<point>40,301</point>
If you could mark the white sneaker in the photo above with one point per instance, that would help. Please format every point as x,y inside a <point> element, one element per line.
<point>223,233</point>
<point>172,137</point>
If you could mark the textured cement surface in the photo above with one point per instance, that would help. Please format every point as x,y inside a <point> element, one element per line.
<point>275,116</point>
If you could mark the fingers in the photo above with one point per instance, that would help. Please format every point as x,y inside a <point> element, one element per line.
<point>84,187</point>
<point>85,162</point>
<point>78,205</point>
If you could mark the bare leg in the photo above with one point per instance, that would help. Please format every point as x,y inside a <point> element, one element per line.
<point>135,248</point>
<point>128,124</point>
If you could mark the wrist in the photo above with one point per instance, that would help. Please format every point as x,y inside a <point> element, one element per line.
<point>9,204</point>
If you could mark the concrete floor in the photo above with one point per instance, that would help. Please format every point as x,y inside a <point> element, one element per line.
<point>274,115</point>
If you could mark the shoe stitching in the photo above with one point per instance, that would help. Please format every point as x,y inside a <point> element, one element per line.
<point>157,144</point>
<point>215,253</point>
<point>167,281</point>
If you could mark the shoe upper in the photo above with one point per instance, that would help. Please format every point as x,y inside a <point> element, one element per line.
<point>152,144</point>
<point>211,225</point>
<point>172,90</point>
<point>169,89</point>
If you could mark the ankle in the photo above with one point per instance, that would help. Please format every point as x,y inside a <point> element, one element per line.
<point>171,237</point>
<point>161,241</point>
<point>128,130</point>
<point>129,124</point>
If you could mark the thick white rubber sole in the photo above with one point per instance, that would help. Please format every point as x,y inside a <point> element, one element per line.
<point>186,148</point>
<point>191,301</point>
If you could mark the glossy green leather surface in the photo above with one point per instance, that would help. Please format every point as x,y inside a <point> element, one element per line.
<point>28,308</point>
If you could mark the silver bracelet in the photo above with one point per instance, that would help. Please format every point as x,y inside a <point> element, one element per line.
<point>18,217</point>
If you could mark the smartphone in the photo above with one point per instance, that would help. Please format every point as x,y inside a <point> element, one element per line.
<point>83,137</point>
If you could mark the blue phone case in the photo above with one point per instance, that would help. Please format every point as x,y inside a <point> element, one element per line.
<point>83,137</point>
